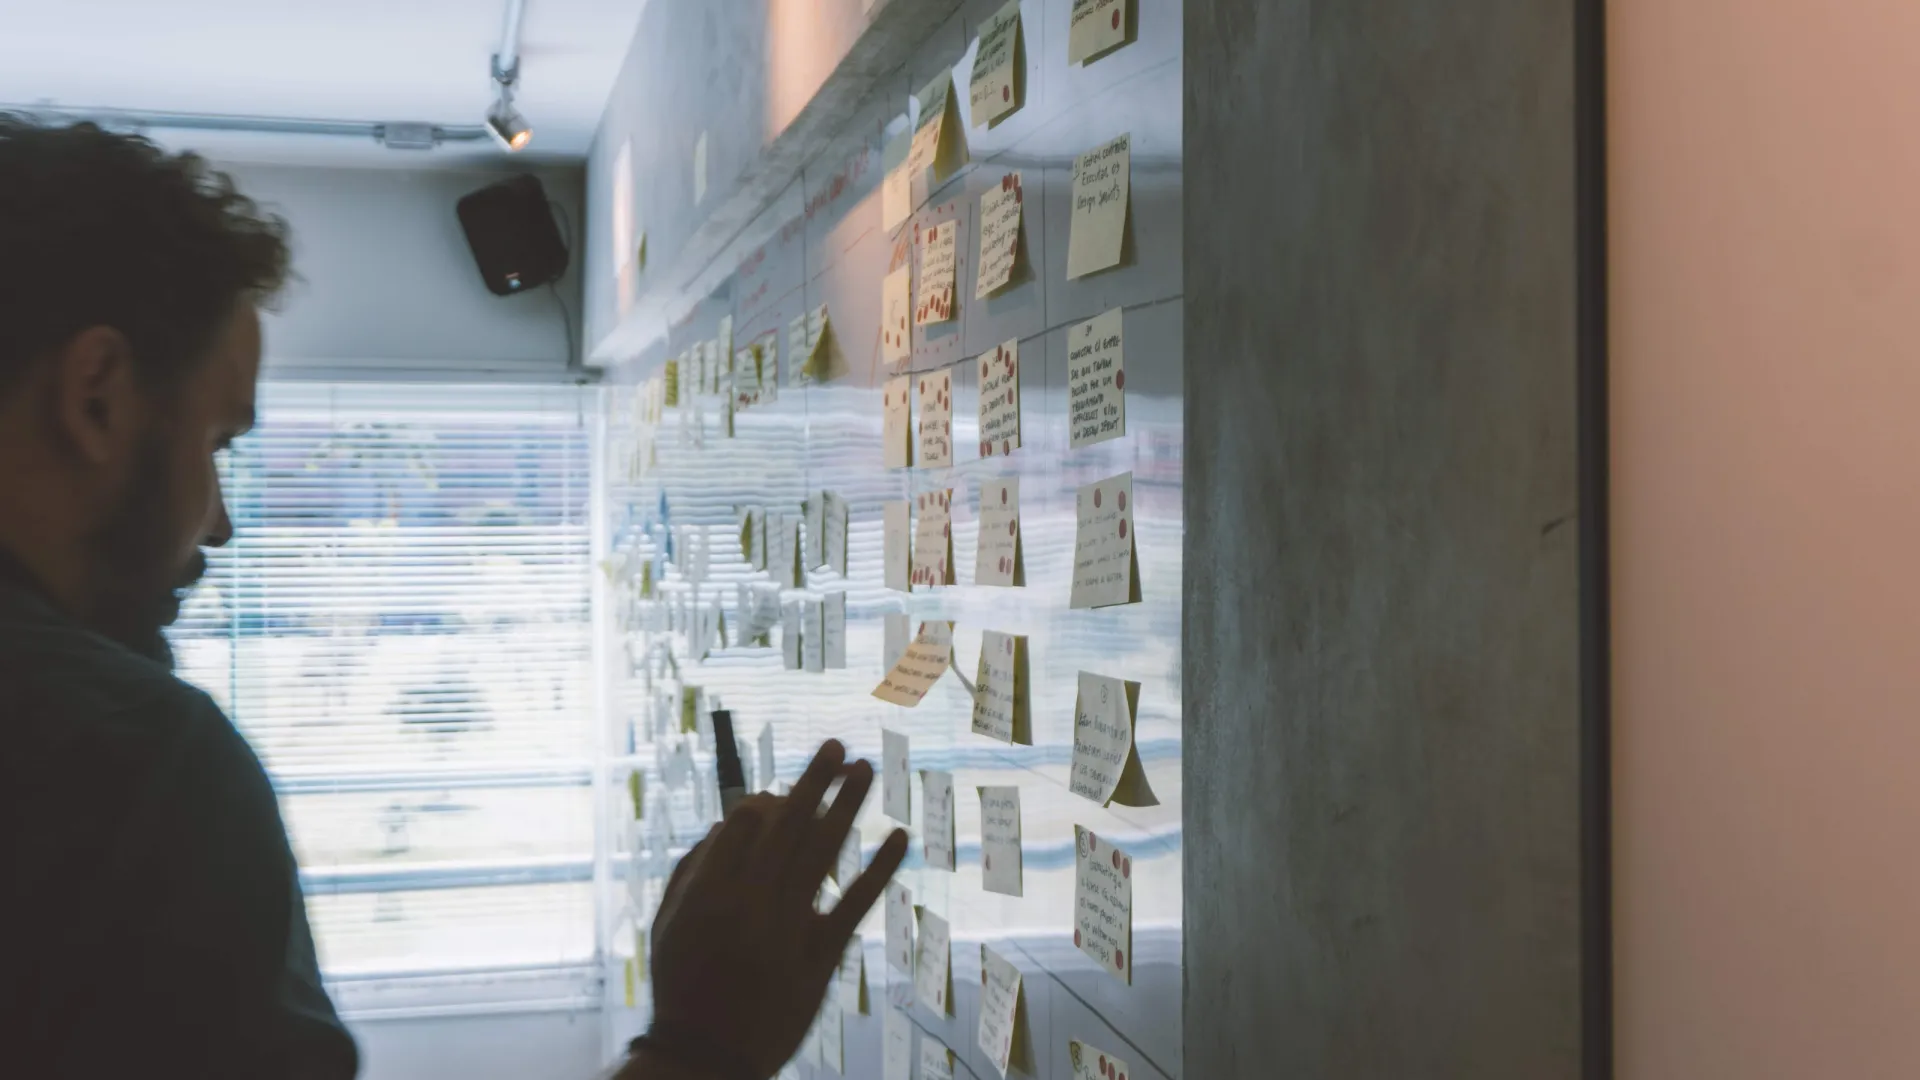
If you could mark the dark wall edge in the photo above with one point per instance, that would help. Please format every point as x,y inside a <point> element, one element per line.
<point>1596,628</point>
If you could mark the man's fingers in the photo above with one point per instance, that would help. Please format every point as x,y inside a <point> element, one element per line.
<point>817,852</point>
<point>729,841</point>
<point>803,802</point>
<point>859,898</point>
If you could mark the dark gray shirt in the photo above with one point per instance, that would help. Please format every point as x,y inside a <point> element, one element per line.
<point>151,920</point>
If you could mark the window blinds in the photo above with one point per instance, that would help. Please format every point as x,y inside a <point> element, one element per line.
<point>402,627</point>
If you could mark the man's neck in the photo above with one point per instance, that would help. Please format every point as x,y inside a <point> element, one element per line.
<point>39,527</point>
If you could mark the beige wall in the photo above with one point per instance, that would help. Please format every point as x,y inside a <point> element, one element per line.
<point>1766,364</point>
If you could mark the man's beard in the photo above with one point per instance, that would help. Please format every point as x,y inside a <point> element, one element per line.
<point>138,593</point>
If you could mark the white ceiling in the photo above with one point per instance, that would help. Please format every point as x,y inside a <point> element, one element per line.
<point>377,60</point>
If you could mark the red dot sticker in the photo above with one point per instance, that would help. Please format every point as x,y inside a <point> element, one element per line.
<point>1123,500</point>
<point>1119,959</point>
<point>1076,939</point>
<point>1003,496</point>
<point>1116,18</point>
<point>1119,380</point>
<point>984,368</point>
<point>1126,868</point>
<point>1123,528</point>
<point>1011,526</point>
<point>1096,497</point>
<point>1116,858</point>
<point>1092,841</point>
<point>1008,447</point>
<point>1006,93</point>
<point>1009,646</point>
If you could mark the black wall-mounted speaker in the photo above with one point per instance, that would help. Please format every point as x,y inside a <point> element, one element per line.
<point>515,242</point>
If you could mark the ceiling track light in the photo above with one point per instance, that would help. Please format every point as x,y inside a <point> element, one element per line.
<point>504,122</point>
<point>393,134</point>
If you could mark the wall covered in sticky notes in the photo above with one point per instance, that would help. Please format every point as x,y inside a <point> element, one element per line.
<point>777,415</point>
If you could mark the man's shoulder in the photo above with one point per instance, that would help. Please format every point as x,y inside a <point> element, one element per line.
<point>65,690</point>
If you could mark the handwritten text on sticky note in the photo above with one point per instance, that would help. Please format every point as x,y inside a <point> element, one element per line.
<point>1103,903</point>
<point>1102,178</point>
<point>1000,400</point>
<point>1096,380</point>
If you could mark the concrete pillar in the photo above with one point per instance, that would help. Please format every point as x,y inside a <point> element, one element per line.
<point>1383,591</point>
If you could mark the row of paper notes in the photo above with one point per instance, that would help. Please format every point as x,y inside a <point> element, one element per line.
<point>1096,400</point>
<point>1096,241</point>
<point>917,541</point>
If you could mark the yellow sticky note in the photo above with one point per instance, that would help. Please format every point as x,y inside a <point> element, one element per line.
<point>1002,863</point>
<point>933,965</point>
<point>896,425</point>
<point>999,67</point>
<point>1097,230</point>
<point>938,143</point>
<point>1106,567</point>
<point>1097,27</point>
<point>853,971</point>
<point>799,347</point>
<point>1106,766</point>
<point>939,256</point>
<point>1000,400</point>
<point>936,1061</point>
<point>897,1056</point>
<point>936,802</point>
<point>1103,904</point>
<point>896,786</point>
<point>820,365</point>
<point>896,537</point>
<point>926,658</point>
<point>896,307</point>
<point>899,919</point>
<point>1097,380</point>
<point>628,967</point>
<point>1000,703</point>
<point>936,419</point>
<point>896,189</point>
<point>1090,1063</point>
<point>1002,210</point>
<point>689,708</point>
<point>999,1009</point>
<point>933,539</point>
<point>636,789</point>
<point>998,558</point>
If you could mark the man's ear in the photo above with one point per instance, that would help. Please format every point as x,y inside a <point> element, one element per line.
<point>97,405</point>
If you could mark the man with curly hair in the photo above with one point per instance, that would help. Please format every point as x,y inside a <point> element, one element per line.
<point>151,918</point>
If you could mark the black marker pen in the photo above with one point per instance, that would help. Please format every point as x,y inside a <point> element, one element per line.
<point>728,771</point>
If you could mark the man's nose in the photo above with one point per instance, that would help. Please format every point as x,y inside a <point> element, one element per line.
<point>220,529</point>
